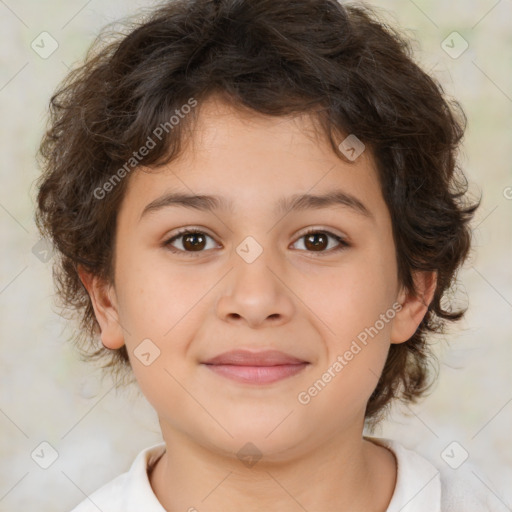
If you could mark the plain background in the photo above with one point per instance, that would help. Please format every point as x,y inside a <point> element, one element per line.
<point>48,395</point>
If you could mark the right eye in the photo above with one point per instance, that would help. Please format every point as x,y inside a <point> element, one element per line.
<point>191,240</point>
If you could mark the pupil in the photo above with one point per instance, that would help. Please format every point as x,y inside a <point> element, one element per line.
<point>315,244</point>
<point>194,246</point>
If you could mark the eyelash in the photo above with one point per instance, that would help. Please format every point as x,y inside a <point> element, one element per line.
<point>343,244</point>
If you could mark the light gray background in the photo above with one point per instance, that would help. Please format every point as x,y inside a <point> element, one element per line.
<point>47,394</point>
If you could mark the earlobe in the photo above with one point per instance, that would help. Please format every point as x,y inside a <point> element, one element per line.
<point>105,306</point>
<point>413,307</point>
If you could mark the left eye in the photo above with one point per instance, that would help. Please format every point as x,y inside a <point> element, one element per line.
<point>317,241</point>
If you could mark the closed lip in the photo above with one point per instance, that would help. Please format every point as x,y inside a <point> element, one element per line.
<point>248,358</point>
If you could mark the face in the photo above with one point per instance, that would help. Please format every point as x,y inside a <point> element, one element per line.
<point>259,272</point>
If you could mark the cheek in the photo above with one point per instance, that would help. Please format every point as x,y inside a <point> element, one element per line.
<point>160,308</point>
<point>353,307</point>
<point>158,298</point>
<point>359,315</point>
<point>351,297</point>
<point>165,304</point>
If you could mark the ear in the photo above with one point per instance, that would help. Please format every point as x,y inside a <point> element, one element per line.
<point>414,307</point>
<point>104,301</point>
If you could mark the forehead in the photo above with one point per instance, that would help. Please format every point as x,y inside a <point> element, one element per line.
<point>255,161</point>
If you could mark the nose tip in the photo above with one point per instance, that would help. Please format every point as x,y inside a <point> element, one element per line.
<point>254,293</point>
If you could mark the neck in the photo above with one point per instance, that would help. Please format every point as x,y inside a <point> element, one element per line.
<point>342,474</point>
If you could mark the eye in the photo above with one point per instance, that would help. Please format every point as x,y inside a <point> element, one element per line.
<point>195,241</point>
<point>191,240</point>
<point>317,240</point>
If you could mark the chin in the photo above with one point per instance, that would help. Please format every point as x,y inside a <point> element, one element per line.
<point>276,441</point>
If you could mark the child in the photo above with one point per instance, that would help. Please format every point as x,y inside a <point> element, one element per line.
<point>257,210</point>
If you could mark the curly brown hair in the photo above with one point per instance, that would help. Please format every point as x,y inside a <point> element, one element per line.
<point>341,64</point>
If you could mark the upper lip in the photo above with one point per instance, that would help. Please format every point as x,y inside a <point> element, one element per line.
<point>248,358</point>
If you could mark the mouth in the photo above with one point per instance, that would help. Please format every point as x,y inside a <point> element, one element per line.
<point>256,367</point>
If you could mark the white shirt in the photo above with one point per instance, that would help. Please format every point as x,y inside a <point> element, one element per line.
<point>420,487</point>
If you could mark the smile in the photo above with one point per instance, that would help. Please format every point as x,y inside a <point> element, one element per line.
<point>257,374</point>
<point>260,367</point>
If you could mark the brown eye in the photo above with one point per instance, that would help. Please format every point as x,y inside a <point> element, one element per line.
<point>194,241</point>
<point>190,241</point>
<point>318,241</point>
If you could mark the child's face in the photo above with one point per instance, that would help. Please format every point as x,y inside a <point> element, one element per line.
<point>311,304</point>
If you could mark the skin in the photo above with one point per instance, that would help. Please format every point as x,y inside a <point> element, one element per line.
<point>307,303</point>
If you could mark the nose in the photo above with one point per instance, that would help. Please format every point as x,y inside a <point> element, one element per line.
<point>255,294</point>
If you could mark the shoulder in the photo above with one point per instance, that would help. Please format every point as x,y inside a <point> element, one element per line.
<point>130,491</point>
<point>106,498</point>
<point>464,490</point>
<point>430,484</point>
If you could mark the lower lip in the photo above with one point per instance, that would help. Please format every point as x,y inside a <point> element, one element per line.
<point>257,374</point>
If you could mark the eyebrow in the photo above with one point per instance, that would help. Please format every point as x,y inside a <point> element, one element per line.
<point>297,202</point>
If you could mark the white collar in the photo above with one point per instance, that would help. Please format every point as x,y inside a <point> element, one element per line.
<point>418,482</point>
<point>137,491</point>
<point>417,489</point>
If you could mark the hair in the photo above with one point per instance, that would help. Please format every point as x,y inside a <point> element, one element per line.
<point>341,64</point>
